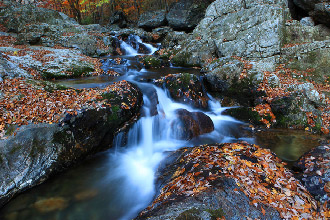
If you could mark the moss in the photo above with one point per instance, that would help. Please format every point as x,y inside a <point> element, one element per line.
<point>216,213</point>
<point>37,148</point>
<point>10,129</point>
<point>114,115</point>
<point>1,159</point>
<point>181,59</point>
<point>109,95</point>
<point>62,137</point>
<point>15,148</point>
<point>76,71</point>
<point>245,114</point>
<point>150,61</point>
<point>191,214</point>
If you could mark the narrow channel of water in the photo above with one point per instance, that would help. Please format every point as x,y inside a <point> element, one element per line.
<point>117,184</point>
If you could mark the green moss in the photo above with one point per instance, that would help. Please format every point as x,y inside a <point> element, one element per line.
<point>114,115</point>
<point>37,148</point>
<point>245,114</point>
<point>10,129</point>
<point>216,213</point>
<point>109,95</point>
<point>191,214</point>
<point>15,148</point>
<point>150,61</point>
<point>62,137</point>
<point>76,71</point>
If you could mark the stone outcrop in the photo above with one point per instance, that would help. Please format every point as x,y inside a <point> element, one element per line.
<point>152,19</point>
<point>185,15</point>
<point>231,181</point>
<point>38,151</point>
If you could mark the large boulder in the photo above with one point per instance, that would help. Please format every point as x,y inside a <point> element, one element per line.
<point>16,17</point>
<point>186,88</point>
<point>49,62</point>
<point>228,181</point>
<point>152,19</point>
<point>119,19</point>
<point>185,15</point>
<point>191,124</point>
<point>55,137</point>
<point>314,167</point>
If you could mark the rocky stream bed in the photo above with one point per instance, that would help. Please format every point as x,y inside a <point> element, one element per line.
<point>218,112</point>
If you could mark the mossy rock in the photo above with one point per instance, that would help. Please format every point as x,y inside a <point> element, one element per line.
<point>245,114</point>
<point>191,214</point>
<point>151,62</point>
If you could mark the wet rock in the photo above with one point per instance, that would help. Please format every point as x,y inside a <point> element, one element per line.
<point>221,181</point>
<point>186,88</point>
<point>314,167</point>
<point>152,19</point>
<point>38,151</point>
<point>51,204</point>
<point>185,15</point>
<point>119,19</point>
<point>191,124</point>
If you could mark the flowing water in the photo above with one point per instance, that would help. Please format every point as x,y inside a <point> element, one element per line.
<point>117,184</point>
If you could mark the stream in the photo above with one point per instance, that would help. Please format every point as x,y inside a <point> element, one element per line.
<point>119,183</point>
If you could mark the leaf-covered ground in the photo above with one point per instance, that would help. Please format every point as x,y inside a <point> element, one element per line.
<point>258,173</point>
<point>27,101</point>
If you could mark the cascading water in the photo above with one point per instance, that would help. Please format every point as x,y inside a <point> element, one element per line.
<point>125,176</point>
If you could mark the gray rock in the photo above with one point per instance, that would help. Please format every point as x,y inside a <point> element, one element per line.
<point>314,172</point>
<point>57,63</point>
<point>118,19</point>
<point>9,69</point>
<point>152,19</point>
<point>16,17</point>
<point>307,21</point>
<point>318,9</point>
<point>274,81</point>
<point>38,151</point>
<point>185,15</point>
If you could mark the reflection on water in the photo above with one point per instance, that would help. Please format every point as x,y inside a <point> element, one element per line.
<point>289,145</point>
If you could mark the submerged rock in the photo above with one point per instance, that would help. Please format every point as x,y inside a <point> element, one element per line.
<point>231,181</point>
<point>51,204</point>
<point>191,124</point>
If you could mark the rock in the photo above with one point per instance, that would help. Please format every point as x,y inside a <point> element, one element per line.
<point>86,195</point>
<point>38,151</point>
<point>314,167</point>
<point>195,53</point>
<point>9,69</point>
<point>274,81</point>
<point>318,9</point>
<point>186,88</point>
<point>152,19</point>
<point>307,21</point>
<point>118,18</point>
<point>15,17</point>
<point>51,204</point>
<point>191,124</point>
<point>220,181</point>
<point>291,111</point>
<point>234,78</point>
<point>185,15</point>
<point>49,62</point>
